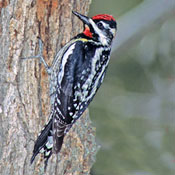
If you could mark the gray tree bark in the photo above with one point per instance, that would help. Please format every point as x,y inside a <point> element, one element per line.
<point>24,88</point>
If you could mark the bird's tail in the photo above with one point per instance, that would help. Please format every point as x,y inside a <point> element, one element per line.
<point>49,141</point>
<point>58,134</point>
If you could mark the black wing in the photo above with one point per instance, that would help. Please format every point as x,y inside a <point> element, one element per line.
<point>66,100</point>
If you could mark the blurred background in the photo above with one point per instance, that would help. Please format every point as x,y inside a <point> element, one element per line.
<point>134,110</point>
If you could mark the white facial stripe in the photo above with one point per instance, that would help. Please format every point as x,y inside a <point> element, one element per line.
<point>105,25</point>
<point>103,39</point>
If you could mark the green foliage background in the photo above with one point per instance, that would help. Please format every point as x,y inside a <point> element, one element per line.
<point>134,110</point>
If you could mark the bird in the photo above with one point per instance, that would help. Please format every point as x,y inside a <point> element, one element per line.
<point>75,75</point>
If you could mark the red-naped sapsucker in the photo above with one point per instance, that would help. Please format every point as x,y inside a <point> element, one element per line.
<point>75,76</point>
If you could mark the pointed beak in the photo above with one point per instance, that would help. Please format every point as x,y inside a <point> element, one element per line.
<point>83,18</point>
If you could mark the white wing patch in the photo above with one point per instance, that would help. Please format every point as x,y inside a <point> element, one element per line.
<point>64,61</point>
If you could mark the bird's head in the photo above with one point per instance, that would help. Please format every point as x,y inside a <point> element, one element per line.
<point>101,28</point>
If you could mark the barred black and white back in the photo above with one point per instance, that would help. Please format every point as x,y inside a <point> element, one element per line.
<point>75,76</point>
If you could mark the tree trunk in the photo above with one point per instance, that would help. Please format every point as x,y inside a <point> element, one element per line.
<point>24,92</point>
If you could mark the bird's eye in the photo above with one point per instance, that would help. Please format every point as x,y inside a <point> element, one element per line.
<point>100,25</point>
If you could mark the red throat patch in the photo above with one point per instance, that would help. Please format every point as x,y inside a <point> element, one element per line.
<point>87,32</point>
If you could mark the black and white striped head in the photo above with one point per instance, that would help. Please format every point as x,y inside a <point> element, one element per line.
<point>101,28</point>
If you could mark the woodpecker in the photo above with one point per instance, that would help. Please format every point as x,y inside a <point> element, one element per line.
<point>76,74</point>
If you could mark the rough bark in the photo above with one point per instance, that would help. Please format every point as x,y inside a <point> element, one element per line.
<point>24,92</point>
